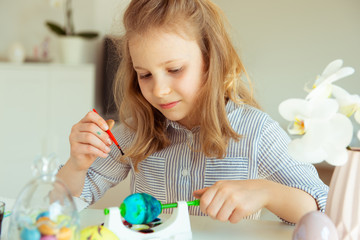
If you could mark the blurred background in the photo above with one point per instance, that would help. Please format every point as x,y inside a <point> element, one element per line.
<point>284,45</point>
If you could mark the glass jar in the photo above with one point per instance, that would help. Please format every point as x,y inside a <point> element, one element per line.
<point>45,208</point>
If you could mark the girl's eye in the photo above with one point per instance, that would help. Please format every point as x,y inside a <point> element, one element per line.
<point>176,70</point>
<point>144,76</point>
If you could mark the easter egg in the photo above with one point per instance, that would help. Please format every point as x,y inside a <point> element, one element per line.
<point>140,208</point>
<point>315,226</point>
<point>63,220</point>
<point>30,234</point>
<point>43,214</point>
<point>138,227</point>
<point>64,234</point>
<point>97,233</point>
<point>25,222</point>
<point>48,237</point>
<point>46,226</point>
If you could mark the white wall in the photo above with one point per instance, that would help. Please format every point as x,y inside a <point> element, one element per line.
<point>283,44</point>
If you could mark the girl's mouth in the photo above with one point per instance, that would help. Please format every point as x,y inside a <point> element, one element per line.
<point>169,105</point>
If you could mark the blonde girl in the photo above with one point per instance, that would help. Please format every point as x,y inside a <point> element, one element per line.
<point>189,124</point>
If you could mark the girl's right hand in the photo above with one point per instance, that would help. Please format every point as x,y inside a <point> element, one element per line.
<point>89,140</point>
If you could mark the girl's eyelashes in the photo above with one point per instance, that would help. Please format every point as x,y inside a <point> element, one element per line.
<point>144,76</point>
<point>148,75</point>
<point>175,70</point>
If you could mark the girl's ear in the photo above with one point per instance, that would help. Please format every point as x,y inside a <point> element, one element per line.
<point>110,123</point>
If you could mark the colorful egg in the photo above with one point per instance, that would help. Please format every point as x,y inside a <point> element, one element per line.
<point>46,226</point>
<point>25,222</point>
<point>315,226</point>
<point>43,214</point>
<point>64,234</point>
<point>138,227</point>
<point>97,233</point>
<point>64,220</point>
<point>140,208</point>
<point>48,237</point>
<point>30,234</point>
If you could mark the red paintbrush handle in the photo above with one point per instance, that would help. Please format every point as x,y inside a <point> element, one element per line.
<point>112,136</point>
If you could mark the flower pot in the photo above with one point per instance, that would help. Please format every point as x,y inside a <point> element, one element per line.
<point>16,53</point>
<point>74,50</point>
<point>343,203</point>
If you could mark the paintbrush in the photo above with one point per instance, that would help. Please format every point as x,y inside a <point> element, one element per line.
<point>112,137</point>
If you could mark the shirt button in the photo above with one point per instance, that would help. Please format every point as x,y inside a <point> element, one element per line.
<point>185,172</point>
<point>190,137</point>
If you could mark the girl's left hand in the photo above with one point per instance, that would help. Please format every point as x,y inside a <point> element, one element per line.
<point>232,200</point>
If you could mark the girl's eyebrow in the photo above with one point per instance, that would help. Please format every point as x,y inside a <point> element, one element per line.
<point>139,68</point>
<point>161,64</point>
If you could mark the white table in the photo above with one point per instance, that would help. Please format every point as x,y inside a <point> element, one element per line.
<point>209,229</point>
<point>203,228</point>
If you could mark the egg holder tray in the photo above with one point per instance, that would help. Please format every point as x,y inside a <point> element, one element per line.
<point>176,227</point>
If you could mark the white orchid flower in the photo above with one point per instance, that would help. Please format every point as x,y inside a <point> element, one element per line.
<point>56,3</point>
<point>326,133</point>
<point>324,140</point>
<point>357,118</point>
<point>349,103</point>
<point>300,112</point>
<point>334,71</point>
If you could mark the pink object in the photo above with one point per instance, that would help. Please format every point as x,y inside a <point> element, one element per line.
<point>343,203</point>
<point>48,237</point>
<point>315,226</point>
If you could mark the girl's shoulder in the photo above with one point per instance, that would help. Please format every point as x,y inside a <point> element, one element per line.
<point>244,112</point>
<point>245,118</point>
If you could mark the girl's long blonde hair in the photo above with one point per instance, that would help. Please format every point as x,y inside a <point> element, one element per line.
<point>201,20</point>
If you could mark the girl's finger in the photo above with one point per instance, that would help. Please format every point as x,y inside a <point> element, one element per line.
<point>89,150</point>
<point>95,118</point>
<point>206,198</point>
<point>94,129</point>
<point>216,204</point>
<point>236,216</point>
<point>92,140</point>
<point>225,212</point>
<point>199,193</point>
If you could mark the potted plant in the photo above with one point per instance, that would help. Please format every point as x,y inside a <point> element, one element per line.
<point>324,131</point>
<point>72,44</point>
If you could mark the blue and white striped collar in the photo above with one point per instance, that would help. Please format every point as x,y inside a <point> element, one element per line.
<point>230,107</point>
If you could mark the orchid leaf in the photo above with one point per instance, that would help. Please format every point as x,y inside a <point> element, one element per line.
<point>55,28</point>
<point>88,35</point>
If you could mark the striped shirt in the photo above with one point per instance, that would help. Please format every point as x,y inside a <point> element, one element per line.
<point>173,173</point>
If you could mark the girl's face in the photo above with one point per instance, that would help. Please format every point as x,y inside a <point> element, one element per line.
<point>170,73</point>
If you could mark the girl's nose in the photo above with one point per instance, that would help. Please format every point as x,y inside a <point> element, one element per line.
<point>161,87</point>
